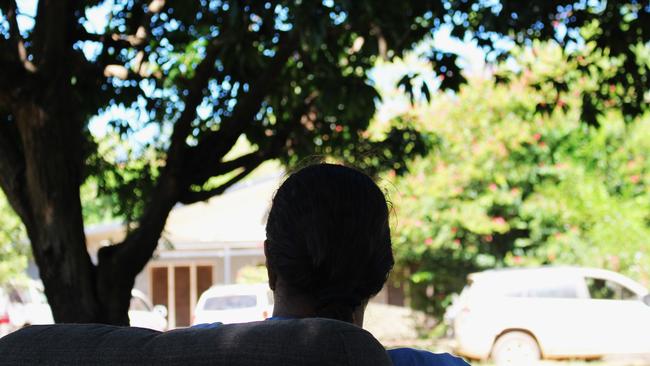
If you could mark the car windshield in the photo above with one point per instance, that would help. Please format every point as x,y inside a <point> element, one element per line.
<point>230,302</point>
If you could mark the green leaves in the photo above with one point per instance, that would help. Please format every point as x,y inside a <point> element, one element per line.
<point>14,247</point>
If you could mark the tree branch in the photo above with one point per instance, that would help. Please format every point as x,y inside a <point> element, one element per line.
<point>275,145</point>
<point>138,40</point>
<point>256,157</point>
<point>197,85</point>
<point>114,40</point>
<point>215,145</point>
<point>193,197</point>
<point>17,40</point>
<point>50,35</point>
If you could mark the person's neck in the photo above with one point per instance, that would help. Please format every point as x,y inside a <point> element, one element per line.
<point>298,306</point>
<point>295,306</point>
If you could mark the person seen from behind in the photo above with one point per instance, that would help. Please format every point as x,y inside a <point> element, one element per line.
<point>328,250</point>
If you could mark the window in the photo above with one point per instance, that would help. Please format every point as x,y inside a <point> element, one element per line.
<point>557,291</point>
<point>549,289</point>
<point>608,290</point>
<point>230,302</point>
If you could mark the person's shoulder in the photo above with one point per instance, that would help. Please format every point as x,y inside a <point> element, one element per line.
<point>416,357</point>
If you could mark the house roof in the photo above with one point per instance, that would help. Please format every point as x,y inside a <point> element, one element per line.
<point>235,218</point>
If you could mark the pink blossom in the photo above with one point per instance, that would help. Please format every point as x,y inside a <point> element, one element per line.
<point>457,242</point>
<point>502,150</point>
<point>614,262</point>
<point>537,136</point>
<point>498,220</point>
<point>517,259</point>
<point>488,238</point>
<point>493,187</point>
<point>635,179</point>
<point>428,241</point>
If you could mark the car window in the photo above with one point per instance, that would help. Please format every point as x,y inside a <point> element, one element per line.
<point>230,302</point>
<point>138,305</point>
<point>558,291</point>
<point>602,289</point>
<point>547,290</point>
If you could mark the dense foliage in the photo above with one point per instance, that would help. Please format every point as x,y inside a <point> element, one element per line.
<point>510,185</point>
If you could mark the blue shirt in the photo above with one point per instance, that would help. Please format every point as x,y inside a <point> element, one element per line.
<point>416,357</point>
<point>399,356</point>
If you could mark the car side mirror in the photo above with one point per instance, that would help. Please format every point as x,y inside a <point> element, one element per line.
<point>160,309</point>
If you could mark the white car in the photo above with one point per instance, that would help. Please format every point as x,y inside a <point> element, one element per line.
<point>143,314</point>
<point>518,316</point>
<point>27,304</point>
<point>234,304</point>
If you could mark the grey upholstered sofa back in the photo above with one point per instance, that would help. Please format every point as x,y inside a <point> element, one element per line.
<point>282,342</point>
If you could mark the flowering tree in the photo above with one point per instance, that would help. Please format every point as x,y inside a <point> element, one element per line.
<point>509,185</point>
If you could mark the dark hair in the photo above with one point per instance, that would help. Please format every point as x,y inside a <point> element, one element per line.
<point>328,237</point>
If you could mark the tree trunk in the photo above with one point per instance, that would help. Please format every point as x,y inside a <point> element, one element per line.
<point>51,148</point>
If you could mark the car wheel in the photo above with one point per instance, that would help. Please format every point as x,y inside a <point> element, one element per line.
<point>515,348</point>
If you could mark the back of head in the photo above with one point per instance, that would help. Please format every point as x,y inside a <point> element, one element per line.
<point>328,238</point>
